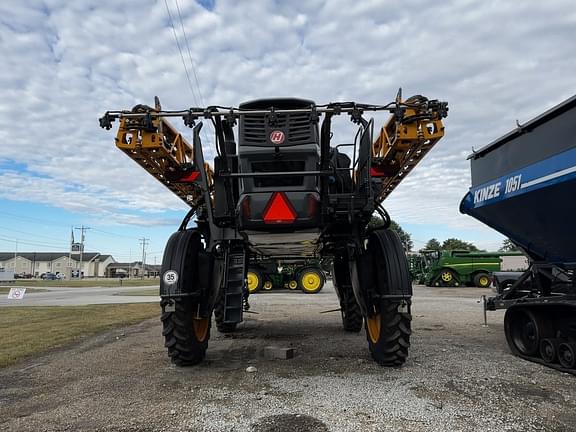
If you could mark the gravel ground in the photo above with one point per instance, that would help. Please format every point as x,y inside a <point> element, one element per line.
<point>460,377</point>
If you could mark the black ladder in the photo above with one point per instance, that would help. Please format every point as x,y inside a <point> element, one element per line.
<point>234,287</point>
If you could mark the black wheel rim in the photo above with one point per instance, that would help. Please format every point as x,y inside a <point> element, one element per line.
<point>524,332</point>
<point>566,355</point>
<point>548,350</point>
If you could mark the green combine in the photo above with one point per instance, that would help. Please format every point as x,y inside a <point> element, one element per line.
<point>455,268</point>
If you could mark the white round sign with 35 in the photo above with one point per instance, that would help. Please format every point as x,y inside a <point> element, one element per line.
<point>170,277</point>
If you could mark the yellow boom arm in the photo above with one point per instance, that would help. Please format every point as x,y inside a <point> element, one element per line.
<point>401,145</point>
<point>160,149</point>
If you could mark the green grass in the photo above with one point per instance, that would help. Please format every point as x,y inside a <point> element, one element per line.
<point>26,331</point>
<point>142,292</point>
<point>85,283</point>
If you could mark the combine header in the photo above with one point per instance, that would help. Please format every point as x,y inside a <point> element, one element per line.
<point>282,187</point>
<point>522,186</point>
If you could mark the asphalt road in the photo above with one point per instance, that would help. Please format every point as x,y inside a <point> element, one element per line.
<point>54,296</point>
<point>460,376</point>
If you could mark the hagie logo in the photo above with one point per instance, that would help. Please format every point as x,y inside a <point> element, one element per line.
<point>277,137</point>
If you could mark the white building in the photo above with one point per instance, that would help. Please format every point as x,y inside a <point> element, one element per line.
<point>36,263</point>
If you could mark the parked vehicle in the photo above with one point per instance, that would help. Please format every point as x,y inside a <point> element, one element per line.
<point>266,275</point>
<point>455,268</point>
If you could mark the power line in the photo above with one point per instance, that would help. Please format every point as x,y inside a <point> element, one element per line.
<point>181,55</point>
<point>113,234</point>
<point>29,233</point>
<point>190,54</point>
<point>44,221</point>
<point>29,243</point>
<point>196,99</point>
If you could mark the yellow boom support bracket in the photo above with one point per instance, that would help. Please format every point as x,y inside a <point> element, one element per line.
<point>158,148</point>
<point>401,145</point>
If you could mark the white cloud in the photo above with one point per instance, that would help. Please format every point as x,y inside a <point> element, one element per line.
<point>65,63</point>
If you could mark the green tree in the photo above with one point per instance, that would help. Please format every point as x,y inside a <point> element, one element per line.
<point>433,244</point>
<point>457,244</point>
<point>405,237</point>
<point>508,246</point>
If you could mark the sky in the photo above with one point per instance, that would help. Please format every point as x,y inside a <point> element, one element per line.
<point>66,63</point>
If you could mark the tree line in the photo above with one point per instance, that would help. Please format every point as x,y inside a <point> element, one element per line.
<point>434,244</point>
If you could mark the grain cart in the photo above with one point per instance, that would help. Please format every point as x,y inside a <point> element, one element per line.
<point>523,186</point>
<point>281,185</point>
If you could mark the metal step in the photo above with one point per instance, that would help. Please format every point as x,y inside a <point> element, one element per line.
<point>234,287</point>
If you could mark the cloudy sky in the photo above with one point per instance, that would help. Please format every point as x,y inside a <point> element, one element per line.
<point>65,63</point>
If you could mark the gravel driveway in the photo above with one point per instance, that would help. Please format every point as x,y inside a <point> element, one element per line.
<point>460,377</point>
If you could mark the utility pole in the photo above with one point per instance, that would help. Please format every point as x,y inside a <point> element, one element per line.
<point>82,230</point>
<point>16,257</point>
<point>144,242</point>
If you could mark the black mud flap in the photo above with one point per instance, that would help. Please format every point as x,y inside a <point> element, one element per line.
<point>391,268</point>
<point>187,271</point>
<point>380,272</point>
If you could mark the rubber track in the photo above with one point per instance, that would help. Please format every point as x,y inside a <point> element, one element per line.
<point>392,348</point>
<point>550,365</point>
<point>183,348</point>
<point>538,360</point>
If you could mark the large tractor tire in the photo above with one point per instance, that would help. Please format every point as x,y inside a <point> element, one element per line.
<point>185,336</point>
<point>482,280</point>
<point>388,329</point>
<point>185,333</point>
<point>352,318</point>
<point>310,280</point>
<point>255,280</point>
<point>351,315</point>
<point>388,333</point>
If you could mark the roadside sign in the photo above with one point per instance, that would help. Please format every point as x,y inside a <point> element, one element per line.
<point>16,293</point>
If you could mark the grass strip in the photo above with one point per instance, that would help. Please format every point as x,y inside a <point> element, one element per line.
<point>26,331</point>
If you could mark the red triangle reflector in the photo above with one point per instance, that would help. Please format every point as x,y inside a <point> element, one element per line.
<point>279,210</point>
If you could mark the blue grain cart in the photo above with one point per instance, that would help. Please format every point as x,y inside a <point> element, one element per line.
<point>524,185</point>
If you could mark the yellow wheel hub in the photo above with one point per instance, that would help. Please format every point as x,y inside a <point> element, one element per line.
<point>484,281</point>
<point>253,281</point>
<point>373,326</point>
<point>201,327</point>
<point>267,285</point>
<point>446,276</point>
<point>292,284</point>
<point>311,281</point>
